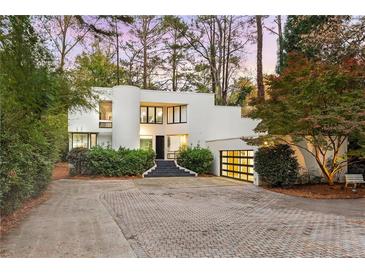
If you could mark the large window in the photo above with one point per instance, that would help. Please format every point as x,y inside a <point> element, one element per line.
<point>237,164</point>
<point>174,143</point>
<point>151,115</point>
<point>177,114</point>
<point>105,114</point>
<point>145,142</point>
<point>85,140</point>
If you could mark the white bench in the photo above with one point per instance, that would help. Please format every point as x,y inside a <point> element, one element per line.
<point>354,179</point>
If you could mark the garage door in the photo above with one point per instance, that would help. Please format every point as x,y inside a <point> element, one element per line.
<point>237,164</point>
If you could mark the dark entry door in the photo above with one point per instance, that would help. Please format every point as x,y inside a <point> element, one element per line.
<point>160,147</point>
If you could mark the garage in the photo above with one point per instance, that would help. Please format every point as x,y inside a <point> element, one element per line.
<point>237,164</point>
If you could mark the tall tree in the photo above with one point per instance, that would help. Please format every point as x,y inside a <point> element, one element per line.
<point>34,97</point>
<point>219,42</point>
<point>144,45</point>
<point>277,30</point>
<point>65,33</point>
<point>108,27</point>
<point>338,38</point>
<point>296,27</point>
<point>259,42</point>
<point>176,50</point>
<point>97,69</point>
<point>318,105</point>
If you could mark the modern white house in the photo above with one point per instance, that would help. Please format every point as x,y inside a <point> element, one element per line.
<point>131,117</point>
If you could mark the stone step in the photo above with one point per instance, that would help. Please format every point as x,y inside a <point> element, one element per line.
<point>167,168</point>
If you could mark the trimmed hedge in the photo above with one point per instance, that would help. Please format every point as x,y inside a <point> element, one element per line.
<point>109,162</point>
<point>277,165</point>
<point>197,159</point>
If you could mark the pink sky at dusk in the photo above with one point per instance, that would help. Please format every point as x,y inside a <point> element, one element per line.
<point>248,67</point>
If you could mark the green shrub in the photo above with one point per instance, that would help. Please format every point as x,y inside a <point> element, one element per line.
<point>109,162</point>
<point>77,157</point>
<point>276,165</point>
<point>25,171</point>
<point>197,159</point>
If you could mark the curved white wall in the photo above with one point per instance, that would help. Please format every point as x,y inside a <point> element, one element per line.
<point>126,102</point>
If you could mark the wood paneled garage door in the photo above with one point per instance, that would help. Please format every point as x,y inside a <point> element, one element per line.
<point>237,164</point>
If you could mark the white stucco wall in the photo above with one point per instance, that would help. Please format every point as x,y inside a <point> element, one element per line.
<point>126,103</point>
<point>88,121</point>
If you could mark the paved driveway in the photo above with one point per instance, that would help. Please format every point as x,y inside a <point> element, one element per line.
<point>186,217</point>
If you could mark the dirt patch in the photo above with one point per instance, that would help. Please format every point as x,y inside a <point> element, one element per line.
<point>60,171</point>
<point>13,219</point>
<point>321,191</point>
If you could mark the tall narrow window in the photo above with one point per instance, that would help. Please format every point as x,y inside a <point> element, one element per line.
<point>183,118</point>
<point>151,115</point>
<point>93,139</point>
<point>159,117</point>
<point>105,114</point>
<point>170,115</point>
<point>176,114</point>
<point>105,110</point>
<point>143,115</point>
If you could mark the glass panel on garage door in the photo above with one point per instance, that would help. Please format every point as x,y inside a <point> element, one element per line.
<point>237,164</point>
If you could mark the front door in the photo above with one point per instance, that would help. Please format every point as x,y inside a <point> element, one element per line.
<point>160,147</point>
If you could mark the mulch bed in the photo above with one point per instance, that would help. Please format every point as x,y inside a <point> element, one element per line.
<point>13,219</point>
<point>321,191</point>
<point>60,171</point>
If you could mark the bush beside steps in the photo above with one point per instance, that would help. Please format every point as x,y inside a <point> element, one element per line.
<point>101,161</point>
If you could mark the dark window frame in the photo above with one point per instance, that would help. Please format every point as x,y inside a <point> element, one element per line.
<point>155,115</point>
<point>221,163</point>
<point>173,114</point>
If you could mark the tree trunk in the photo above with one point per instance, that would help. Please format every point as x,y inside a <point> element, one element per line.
<point>227,60</point>
<point>280,32</point>
<point>144,43</point>
<point>260,82</point>
<point>117,50</point>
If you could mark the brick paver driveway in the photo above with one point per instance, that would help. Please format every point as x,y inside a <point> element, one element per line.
<point>210,217</point>
<point>213,217</point>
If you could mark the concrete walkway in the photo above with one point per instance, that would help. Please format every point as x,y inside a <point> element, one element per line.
<point>185,217</point>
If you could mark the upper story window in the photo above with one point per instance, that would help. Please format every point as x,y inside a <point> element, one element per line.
<point>105,114</point>
<point>176,114</point>
<point>151,115</point>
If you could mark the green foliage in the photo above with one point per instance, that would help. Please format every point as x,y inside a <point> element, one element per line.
<point>197,159</point>
<point>27,91</point>
<point>78,158</point>
<point>110,162</point>
<point>318,103</point>
<point>296,27</point>
<point>97,70</point>
<point>34,103</point>
<point>243,86</point>
<point>276,165</point>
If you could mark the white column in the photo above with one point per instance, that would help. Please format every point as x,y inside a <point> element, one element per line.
<point>126,104</point>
